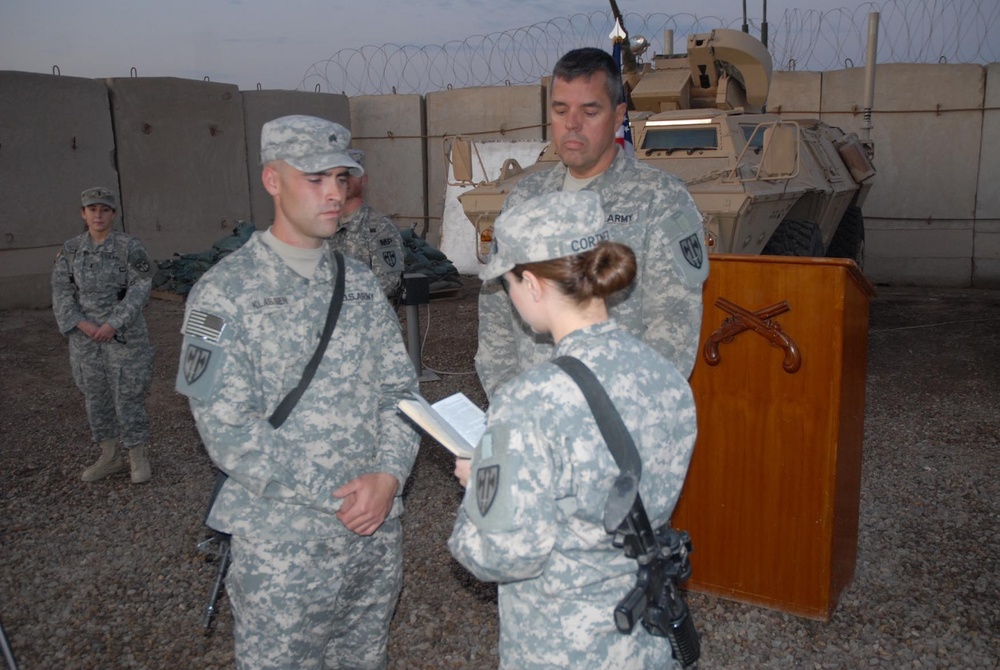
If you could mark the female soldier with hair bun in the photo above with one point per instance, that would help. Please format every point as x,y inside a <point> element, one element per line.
<point>533,514</point>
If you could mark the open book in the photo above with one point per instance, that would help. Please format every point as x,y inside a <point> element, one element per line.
<point>455,421</point>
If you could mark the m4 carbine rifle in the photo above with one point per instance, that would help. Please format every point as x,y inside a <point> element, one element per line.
<point>218,546</point>
<point>656,598</point>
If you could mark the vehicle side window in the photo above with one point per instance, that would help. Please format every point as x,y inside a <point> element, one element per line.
<point>671,139</point>
<point>753,135</point>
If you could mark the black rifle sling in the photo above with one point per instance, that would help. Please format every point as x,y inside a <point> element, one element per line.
<point>608,419</point>
<point>288,404</point>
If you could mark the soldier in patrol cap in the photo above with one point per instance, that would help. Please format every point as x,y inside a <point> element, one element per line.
<point>100,285</point>
<point>645,208</point>
<point>313,504</point>
<point>532,518</point>
<point>369,235</point>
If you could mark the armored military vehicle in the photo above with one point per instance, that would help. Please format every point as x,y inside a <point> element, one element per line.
<point>765,184</point>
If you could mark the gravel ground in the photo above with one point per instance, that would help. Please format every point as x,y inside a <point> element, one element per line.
<point>106,575</point>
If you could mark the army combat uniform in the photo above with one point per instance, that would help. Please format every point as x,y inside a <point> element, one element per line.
<point>651,212</point>
<point>533,514</point>
<point>299,577</point>
<point>373,238</point>
<point>107,282</point>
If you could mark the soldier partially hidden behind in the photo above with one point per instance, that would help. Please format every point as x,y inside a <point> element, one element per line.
<point>369,235</point>
<point>100,285</point>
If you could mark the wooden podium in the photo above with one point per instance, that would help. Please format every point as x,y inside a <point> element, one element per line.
<point>772,494</point>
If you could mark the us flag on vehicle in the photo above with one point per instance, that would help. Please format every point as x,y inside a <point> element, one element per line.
<point>623,136</point>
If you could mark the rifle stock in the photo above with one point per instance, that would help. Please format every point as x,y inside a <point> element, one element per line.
<point>8,653</point>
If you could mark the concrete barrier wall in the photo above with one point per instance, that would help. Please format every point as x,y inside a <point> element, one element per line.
<point>921,213</point>
<point>795,93</point>
<point>187,160</point>
<point>986,240</point>
<point>56,140</point>
<point>390,129</point>
<point>182,161</point>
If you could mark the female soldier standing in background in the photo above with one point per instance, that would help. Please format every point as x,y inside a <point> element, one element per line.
<point>100,284</point>
<point>533,514</point>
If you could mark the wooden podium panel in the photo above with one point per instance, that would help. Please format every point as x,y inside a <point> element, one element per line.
<point>773,490</point>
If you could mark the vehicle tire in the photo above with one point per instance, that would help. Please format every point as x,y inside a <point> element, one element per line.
<point>849,238</point>
<point>795,238</point>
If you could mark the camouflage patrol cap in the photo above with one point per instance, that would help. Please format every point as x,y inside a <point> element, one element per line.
<point>550,226</point>
<point>358,155</point>
<point>99,195</point>
<point>308,144</point>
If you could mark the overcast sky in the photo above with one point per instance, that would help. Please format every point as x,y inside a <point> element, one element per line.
<point>273,42</point>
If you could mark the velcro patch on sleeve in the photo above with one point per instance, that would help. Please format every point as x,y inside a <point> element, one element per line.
<point>202,354</point>
<point>688,250</point>
<point>140,261</point>
<point>198,323</point>
<point>389,257</point>
<point>489,500</point>
<point>200,367</point>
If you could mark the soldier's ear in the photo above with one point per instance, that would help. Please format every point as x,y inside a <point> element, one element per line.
<point>532,283</point>
<point>269,177</point>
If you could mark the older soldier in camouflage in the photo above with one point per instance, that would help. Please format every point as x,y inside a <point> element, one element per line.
<point>369,235</point>
<point>533,514</point>
<point>100,285</point>
<point>646,209</point>
<point>312,506</point>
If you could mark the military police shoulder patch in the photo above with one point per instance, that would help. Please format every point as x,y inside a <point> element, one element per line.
<point>389,259</point>
<point>488,501</point>
<point>487,482</point>
<point>201,364</point>
<point>139,260</point>
<point>688,249</point>
<point>691,249</point>
<point>196,360</point>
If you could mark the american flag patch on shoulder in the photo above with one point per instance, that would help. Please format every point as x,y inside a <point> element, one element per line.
<point>204,325</point>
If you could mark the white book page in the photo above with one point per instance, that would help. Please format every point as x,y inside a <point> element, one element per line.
<point>440,426</point>
<point>463,415</point>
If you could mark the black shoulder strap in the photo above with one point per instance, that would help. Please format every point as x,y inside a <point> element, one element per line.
<point>610,422</point>
<point>625,492</point>
<point>290,400</point>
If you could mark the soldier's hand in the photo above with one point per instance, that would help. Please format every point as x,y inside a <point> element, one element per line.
<point>104,334</point>
<point>367,501</point>
<point>463,468</point>
<point>87,328</point>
